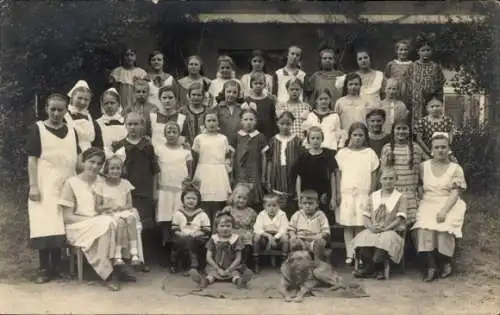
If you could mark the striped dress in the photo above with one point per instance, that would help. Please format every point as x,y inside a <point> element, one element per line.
<point>407,180</point>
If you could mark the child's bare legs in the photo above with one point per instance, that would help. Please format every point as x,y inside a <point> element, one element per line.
<point>121,241</point>
<point>131,223</point>
<point>318,249</point>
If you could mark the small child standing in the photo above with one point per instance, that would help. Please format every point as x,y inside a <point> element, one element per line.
<point>191,228</point>
<point>175,166</point>
<point>113,196</point>
<point>263,104</point>
<point>309,228</point>
<point>397,69</point>
<point>270,227</point>
<point>351,107</point>
<point>424,77</point>
<point>358,168</point>
<point>212,154</point>
<point>224,256</point>
<point>435,121</point>
<point>393,107</point>
<point>295,106</point>
<point>244,217</point>
<point>250,157</point>
<point>229,110</point>
<point>284,150</point>
<point>141,169</point>
<point>385,215</point>
<point>405,156</point>
<point>141,104</point>
<point>377,138</point>
<point>291,71</point>
<point>315,170</point>
<point>323,117</point>
<point>167,112</point>
<point>194,112</point>
<point>111,122</point>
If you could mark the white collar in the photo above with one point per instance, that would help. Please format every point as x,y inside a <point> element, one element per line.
<point>233,238</point>
<point>252,134</point>
<point>285,139</point>
<point>399,62</point>
<point>73,110</point>
<point>117,116</point>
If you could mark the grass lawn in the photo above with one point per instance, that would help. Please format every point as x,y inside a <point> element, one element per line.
<point>477,253</point>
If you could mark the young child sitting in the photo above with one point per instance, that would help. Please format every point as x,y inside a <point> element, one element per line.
<point>379,241</point>
<point>309,226</point>
<point>113,196</point>
<point>270,228</point>
<point>224,252</point>
<point>190,227</point>
<point>244,217</point>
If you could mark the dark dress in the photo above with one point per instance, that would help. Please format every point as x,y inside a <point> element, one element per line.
<point>315,173</point>
<point>229,122</point>
<point>321,80</point>
<point>193,123</point>
<point>378,144</point>
<point>247,166</point>
<point>224,253</point>
<point>266,115</point>
<point>140,168</point>
<point>425,127</point>
<point>281,173</point>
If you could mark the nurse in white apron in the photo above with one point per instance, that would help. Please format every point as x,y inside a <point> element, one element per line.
<point>52,157</point>
<point>78,117</point>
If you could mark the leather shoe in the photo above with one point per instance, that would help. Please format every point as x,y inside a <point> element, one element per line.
<point>42,277</point>
<point>431,275</point>
<point>446,271</point>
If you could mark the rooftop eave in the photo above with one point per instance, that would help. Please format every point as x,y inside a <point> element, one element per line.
<point>244,18</point>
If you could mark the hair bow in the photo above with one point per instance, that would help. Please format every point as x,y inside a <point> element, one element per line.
<point>191,183</point>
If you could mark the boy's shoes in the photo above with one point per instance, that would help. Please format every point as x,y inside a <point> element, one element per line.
<point>42,276</point>
<point>198,278</point>
<point>380,276</point>
<point>113,283</point>
<point>430,275</point>
<point>135,261</point>
<point>244,279</point>
<point>124,276</point>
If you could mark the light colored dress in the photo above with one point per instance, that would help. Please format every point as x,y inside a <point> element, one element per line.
<point>125,79</point>
<point>281,77</point>
<point>84,127</point>
<point>158,129</point>
<point>173,170</point>
<point>153,97</point>
<point>96,236</point>
<point>212,169</point>
<point>370,91</point>
<point>383,211</point>
<point>56,163</point>
<point>113,130</point>
<point>117,195</point>
<point>356,167</point>
<point>245,83</point>
<point>351,110</point>
<point>436,193</point>
<point>244,221</point>
<point>333,135</point>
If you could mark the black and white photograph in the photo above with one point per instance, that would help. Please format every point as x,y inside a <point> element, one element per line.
<point>249,157</point>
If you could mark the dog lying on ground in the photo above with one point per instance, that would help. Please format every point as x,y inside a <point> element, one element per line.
<point>300,274</point>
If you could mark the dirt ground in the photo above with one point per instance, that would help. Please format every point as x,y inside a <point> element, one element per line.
<point>403,294</point>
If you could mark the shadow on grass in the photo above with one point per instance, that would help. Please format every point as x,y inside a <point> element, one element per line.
<point>477,253</point>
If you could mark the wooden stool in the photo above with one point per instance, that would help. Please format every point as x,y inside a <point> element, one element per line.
<point>78,253</point>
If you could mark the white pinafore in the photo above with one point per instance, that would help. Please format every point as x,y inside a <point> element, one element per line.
<point>283,77</point>
<point>153,97</point>
<point>56,163</point>
<point>157,129</point>
<point>84,128</point>
<point>111,133</point>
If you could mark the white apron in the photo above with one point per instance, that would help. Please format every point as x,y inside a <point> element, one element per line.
<point>84,128</point>
<point>158,129</point>
<point>56,163</point>
<point>110,134</point>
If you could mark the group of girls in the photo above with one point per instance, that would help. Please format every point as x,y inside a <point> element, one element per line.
<point>175,151</point>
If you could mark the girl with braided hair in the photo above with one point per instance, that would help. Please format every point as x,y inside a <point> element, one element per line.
<point>404,156</point>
